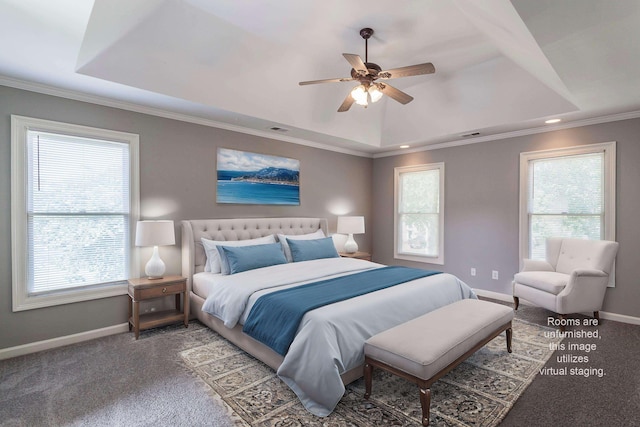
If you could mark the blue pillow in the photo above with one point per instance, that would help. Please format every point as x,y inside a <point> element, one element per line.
<point>224,262</point>
<point>243,258</point>
<point>305,250</point>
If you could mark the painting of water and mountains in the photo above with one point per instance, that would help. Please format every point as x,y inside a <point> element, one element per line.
<point>257,179</point>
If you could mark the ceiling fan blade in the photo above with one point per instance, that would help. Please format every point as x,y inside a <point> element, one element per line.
<point>356,63</point>
<point>394,93</point>
<point>411,70</point>
<point>313,82</point>
<point>346,104</point>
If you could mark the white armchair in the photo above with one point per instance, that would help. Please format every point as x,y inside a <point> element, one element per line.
<point>573,279</point>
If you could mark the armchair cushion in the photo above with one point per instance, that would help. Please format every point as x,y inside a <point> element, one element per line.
<point>590,254</point>
<point>548,281</point>
<point>536,265</point>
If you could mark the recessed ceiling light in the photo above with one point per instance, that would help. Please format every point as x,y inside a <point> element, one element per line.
<point>552,121</point>
<point>404,146</point>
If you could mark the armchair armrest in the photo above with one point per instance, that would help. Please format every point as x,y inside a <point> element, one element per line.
<point>588,272</point>
<point>584,291</point>
<point>536,265</point>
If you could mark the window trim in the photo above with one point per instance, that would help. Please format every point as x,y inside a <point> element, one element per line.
<point>20,125</point>
<point>419,258</point>
<point>609,175</point>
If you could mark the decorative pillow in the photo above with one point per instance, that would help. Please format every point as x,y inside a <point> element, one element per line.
<point>213,258</point>
<point>318,234</point>
<point>305,250</point>
<point>245,258</point>
<point>225,269</point>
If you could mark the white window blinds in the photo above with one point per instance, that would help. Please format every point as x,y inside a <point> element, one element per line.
<point>78,212</point>
<point>419,213</point>
<point>75,198</point>
<point>567,192</point>
<point>567,199</point>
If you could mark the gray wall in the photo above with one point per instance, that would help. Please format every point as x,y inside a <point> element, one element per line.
<point>177,181</point>
<point>481,207</point>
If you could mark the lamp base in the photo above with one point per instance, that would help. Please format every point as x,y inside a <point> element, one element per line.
<point>155,266</point>
<point>350,246</point>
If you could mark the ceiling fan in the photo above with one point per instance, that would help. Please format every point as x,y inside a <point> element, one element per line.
<point>369,90</point>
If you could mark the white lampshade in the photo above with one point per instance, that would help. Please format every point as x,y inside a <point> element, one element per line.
<point>350,225</point>
<point>155,233</point>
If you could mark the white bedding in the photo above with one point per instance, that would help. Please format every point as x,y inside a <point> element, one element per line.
<point>330,339</point>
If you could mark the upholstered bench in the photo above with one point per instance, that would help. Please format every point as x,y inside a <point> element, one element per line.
<point>424,349</point>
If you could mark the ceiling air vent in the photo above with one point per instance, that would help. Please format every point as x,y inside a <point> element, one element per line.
<point>279,129</point>
<point>466,135</point>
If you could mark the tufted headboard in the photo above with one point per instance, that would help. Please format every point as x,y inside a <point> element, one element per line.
<point>193,256</point>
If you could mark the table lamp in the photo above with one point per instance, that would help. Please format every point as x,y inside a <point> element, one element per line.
<point>350,225</point>
<point>155,233</point>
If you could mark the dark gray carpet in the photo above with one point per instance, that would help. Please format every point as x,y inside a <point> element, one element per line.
<point>573,400</point>
<point>110,381</point>
<point>117,381</point>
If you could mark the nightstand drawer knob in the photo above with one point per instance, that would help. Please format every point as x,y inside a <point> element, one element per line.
<point>164,290</point>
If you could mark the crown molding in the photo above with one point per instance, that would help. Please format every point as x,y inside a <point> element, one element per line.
<point>158,112</point>
<point>513,134</point>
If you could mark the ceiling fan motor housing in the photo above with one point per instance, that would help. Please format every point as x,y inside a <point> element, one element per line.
<point>373,70</point>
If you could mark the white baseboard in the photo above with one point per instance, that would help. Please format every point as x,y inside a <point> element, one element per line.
<point>620,318</point>
<point>603,314</point>
<point>20,350</point>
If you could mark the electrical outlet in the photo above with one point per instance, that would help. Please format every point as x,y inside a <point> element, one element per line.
<point>473,271</point>
<point>494,274</point>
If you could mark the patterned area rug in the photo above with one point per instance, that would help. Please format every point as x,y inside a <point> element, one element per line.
<point>479,392</point>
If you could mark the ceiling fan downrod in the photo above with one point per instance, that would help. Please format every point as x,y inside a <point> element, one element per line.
<point>366,33</point>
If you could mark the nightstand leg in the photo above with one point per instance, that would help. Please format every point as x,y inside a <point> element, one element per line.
<point>136,318</point>
<point>130,318</point>
<point>185,308</point>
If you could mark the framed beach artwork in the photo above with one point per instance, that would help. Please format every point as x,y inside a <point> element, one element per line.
<point>257,179</point>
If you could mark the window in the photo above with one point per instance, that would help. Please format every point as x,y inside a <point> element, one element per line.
<point>567,192</point>
<point>419,213</point>
<point>74,208</point>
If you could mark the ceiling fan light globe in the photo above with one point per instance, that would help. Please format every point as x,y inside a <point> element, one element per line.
<point>359,93</point>
<point>375,93</point>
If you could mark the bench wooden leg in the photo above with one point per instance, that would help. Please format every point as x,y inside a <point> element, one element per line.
<point>561,317</point>
<point>509,332</point>
<point>368,374</point>
<point>425,402</point>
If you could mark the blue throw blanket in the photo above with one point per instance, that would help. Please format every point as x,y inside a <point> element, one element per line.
<point>275,317</point>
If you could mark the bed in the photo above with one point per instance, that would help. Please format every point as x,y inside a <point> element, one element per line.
<point>327,351</point>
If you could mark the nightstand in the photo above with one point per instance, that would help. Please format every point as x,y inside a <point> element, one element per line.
<point>359,255</point>
<point>144,289</point>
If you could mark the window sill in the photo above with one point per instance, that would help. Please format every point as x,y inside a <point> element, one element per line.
<point>22,302</point>
<point>419,258</point>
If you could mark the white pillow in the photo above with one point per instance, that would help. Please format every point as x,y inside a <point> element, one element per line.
<point>213,257</point>
<point>318,234</point>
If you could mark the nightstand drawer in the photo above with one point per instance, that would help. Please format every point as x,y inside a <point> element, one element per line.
<point>157,291</point>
